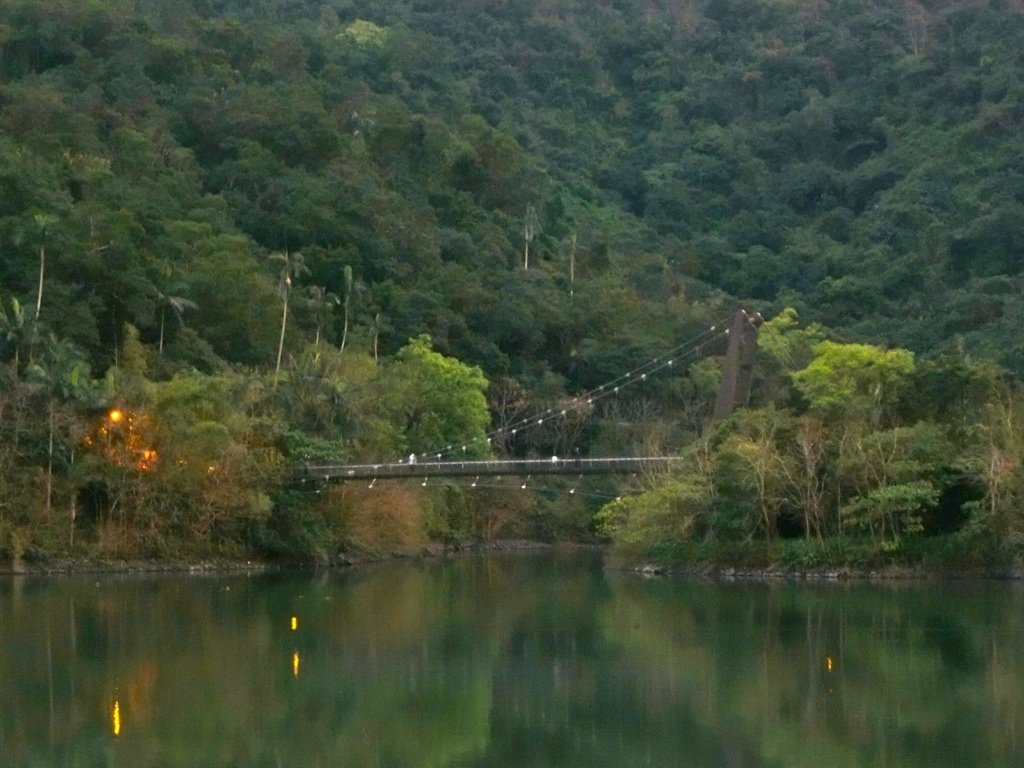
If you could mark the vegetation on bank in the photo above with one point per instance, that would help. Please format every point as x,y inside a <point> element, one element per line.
<point>234,223</point>
<point>202,465</point>
<point>860,458</point>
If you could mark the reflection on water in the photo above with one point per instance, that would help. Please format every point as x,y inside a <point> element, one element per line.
<point>507,661</point>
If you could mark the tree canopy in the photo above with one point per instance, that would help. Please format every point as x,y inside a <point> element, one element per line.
<point>551,192</point>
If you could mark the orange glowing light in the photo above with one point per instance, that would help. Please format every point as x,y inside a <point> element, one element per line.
<point>828,663</point>
<point>116,415</point>
<point>295,664</point>
<point>295,623</point>
<point>116,718</point>
<point>145,458</point>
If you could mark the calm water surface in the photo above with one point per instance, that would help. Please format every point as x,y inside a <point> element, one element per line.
<point>525,660</point>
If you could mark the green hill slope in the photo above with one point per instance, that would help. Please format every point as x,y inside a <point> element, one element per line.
<point>860,161</point>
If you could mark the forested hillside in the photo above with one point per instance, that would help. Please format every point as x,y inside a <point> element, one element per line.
<point>236,217</point>
<point>859,161</point>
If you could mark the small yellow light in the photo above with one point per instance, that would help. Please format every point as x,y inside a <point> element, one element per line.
<point>295,623</point>
<point>828,663</point>
<point>116,415</point>
<point>116,717</point>
<point>295,664</point>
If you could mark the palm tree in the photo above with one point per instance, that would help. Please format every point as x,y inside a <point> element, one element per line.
<point>323,303</point>
<point>348,294</point>
<point>376,333</point>
<point>168,296</point>
<point>531,226</point>
<point>177,305</point>
<point>64,376</point>
<point>572,266</point>
<point>293,266</point>
<point>44,221</point>
<point>17,329</point>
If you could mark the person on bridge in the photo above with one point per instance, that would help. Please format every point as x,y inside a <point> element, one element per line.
<point>412,458</point>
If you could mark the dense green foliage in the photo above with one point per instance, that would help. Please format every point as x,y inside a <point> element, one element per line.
<point>206,191</point>
<point>875,457</point>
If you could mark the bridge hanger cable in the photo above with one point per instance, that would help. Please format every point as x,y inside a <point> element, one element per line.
<point>680,352</point>
<point>638,374</point>
<point>513,484</point>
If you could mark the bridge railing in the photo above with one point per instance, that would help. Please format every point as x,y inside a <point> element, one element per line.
<point>491,468</point>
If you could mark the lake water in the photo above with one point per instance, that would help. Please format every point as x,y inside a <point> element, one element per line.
<point>512,660</point>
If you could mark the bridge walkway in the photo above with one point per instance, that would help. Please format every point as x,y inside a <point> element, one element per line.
<point>333,473</point>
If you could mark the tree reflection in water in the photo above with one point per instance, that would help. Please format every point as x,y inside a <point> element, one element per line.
<point>507,661</point>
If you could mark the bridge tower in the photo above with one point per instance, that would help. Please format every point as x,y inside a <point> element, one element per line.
<point>739,363</point>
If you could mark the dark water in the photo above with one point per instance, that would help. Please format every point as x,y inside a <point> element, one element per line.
<point>532,660</point>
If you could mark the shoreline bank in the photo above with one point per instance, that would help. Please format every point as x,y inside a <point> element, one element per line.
<point>646,569</point>
<point>74,566</point>
<point>844,574</point>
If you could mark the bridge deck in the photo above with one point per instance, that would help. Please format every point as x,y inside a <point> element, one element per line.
<point>517,467</point>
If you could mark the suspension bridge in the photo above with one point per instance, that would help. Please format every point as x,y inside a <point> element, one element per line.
<point>734,390</point>
<point>494,468</point>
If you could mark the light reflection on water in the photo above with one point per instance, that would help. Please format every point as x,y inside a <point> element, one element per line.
<point>507,661</point>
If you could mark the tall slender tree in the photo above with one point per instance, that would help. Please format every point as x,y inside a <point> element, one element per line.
<point>293,266</point>
<point>348,295</point>
<point>376,333</point>
<point>531,226</point>
<point>324,303</point>
<point>44,221</point>
<point>64,375</point>
<point>572,266</point>
<point>17,329</point>
<point>177,305</point>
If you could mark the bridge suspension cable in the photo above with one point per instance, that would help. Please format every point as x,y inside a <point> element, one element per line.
<point>691,347</point>
<point>466,466</point>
